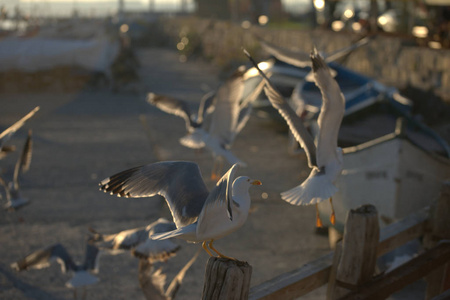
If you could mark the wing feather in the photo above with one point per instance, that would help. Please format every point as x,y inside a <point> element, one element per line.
<point>6,134</point>
<point>180,183</point>
<point>331,113</point>
<point>294,122</point>
<point>295,58</point>
<point>172,106</point>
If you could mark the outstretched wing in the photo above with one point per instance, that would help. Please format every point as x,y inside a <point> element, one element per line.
<point>220,197</point>
<point>24,161</point>
<point>295,58</point>
<point>294,122</point>
<point>91,258</point>
<point>180,183</point>
<point>331,113</point>
<point>42,258</point>
<point>224,119</point>
<point>172,106</point>
<point>329,57</point>
<point>6,134</point>
<point>206,108</point>
<point>176,282</point>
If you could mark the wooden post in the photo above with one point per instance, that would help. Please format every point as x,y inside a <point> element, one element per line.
<point>439,280</point>
<point>226,279</point>
<point>356,264</point>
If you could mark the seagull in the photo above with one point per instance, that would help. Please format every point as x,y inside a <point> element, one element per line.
<point>9,132</point>
<point>199,215</point>
<point>326,159</point>
<point>81,273</point>
<point>301,59</point>
<point>152,279</point>
<point>220,118</point>
<point>13,197</point>
<point>139,242</point>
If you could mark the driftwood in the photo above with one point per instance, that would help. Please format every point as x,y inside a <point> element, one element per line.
<point>226,279</point>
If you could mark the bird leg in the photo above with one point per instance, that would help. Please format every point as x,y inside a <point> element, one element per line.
<point>206,248</point>
<point>333,215</point>
<point>213,172</point>
<point>218,253</point>
<point>318,221</point>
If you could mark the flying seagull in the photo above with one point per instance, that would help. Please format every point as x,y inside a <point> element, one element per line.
<point>152,279</point>
<point>13,196</point>
<point>301,59</point>
<point>138,241</point>
<point>199,215</point>
<point>81,272</point>
<point>220,118</point>
<point>325,160</point>
<point>9,132</point>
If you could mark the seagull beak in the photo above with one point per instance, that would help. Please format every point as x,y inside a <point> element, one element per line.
<point>256,182</point>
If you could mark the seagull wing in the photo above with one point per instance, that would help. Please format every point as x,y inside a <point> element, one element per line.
<point>295,58</point>
<point>172,106</point>
<point>219,197</point>
<point>331,113</point>
<point>42,258</point>
<point>294,122</point>
<point>91,258</point>
<point>24,161</point>
<point>6,134</point>
<point>176,282</point>
<point>224,119</point>
<point>152,280</point>
<point>6,187</point>
<point>180,183</point>
<point>206,107</point>
<point>344,51</point>
<point>157,250</point>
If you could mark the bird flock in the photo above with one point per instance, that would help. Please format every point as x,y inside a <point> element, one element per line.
<point>199,215</point>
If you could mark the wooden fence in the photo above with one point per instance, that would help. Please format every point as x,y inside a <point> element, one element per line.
<point>350,271</point>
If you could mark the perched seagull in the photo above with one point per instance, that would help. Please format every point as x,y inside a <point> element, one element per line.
<point>325,160</point>
<point>13,197</point>
<point>139,242</point>
<point>221,116</point>
<point>81,273</point>
<point>9,132</point>
<point>152,279</point>
<point>301,59</point>
<point>199,215</point>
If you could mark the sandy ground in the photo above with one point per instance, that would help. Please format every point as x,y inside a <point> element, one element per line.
<point>81,138</point>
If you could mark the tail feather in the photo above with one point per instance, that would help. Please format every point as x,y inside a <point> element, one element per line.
<point>316,188</point>
<point>188,230</point>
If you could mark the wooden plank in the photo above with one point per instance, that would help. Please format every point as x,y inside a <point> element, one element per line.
<point>226,279</point>
<point>359,250</point>
<point>401,232</point>
<point>313,275</point>
<point>297,282</point>
<point>385,285</point>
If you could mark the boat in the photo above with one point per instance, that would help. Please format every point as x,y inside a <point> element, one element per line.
<point>394,173</point>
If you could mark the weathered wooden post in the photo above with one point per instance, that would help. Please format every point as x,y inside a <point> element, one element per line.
<point>226,279</point>
<point>355,257</point>
<point>438,280</point>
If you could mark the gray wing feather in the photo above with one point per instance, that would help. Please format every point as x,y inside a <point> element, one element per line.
<point>295,58</point>
<point>6,134</point>
<point>294,122</point>
<point>24,161</point>
<point>180,183</point>
<point>206,107</point>
<point>42,258</point>
<point>91,258</point>
<point>221,194</point>
<point>172,106</point>
<point>344,51</point>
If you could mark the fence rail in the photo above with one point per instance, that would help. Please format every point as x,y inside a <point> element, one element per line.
<point>349,270</point>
